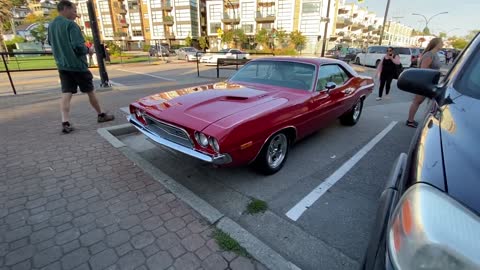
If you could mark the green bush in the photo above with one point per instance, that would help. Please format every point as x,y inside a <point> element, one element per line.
<point>114,49</point>
<point>146,47</point>
<point>286,51</point>
<point>11,43</point>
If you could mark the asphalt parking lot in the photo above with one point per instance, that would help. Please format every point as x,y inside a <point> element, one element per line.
<point>331,233</point>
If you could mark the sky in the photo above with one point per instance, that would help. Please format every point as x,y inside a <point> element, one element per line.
<point>463,15</point>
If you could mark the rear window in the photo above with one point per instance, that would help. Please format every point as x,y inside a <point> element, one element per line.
<point>403,51</point>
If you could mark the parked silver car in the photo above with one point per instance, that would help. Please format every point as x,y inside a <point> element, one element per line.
<point>188,53</point>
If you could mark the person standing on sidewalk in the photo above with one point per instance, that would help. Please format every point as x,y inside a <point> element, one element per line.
<point>430,60</point>
<point>70,53</point>
<point>386,71</point>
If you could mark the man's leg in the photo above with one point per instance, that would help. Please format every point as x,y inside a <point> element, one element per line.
<point>92,97</point>
<point>65,106</point>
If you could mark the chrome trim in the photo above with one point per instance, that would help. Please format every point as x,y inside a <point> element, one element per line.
<point>263,144</point>
<point>185,133</point>
<point>366,86</point>
<point>217,159</point>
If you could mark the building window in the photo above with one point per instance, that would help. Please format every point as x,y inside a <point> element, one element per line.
<point>310,18</point>
<point>182,3</point>
<point>214,26</point>
<point>182,15</point>
<point>215,12</point>
<point>155,3</point>
<point>183,30</point>
<point>247,28</point>
<point>108,32</point>
<point>158,30</point>
<point>248,10</point>
<point>284,16</point>
<point>137,33</point>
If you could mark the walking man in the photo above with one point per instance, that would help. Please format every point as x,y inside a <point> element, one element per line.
<point>70,53</point>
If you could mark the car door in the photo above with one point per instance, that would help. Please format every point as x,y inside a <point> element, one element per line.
<point>323,104</point>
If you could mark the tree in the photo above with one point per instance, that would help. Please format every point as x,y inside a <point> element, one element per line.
<point>261,36</point>
<point>298,40</point>
<point>459,43</point>
<point>227,36</point>
<point>188,41</point>
<point>203,42</point>
<point>426,31</point>
<point>32,18</point>
<point>472,34</point>
<point>239,36</point>
<point>282,38</point>
<point>442,35</point>
<point>39,33</point>
<point>18,3</point>
<point>5,17</point>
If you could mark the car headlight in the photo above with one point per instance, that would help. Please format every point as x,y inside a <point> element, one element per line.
<point>202,139</point>
<point>430,230</point>
<point>214,144</point>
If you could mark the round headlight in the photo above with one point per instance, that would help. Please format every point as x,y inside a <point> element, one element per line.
<point>214,144</point>
<point>201,139</point>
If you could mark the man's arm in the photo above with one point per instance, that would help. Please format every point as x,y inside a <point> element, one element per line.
<point>76,40</point>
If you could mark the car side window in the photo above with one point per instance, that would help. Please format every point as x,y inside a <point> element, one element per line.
<point>371,50</point>
<point>330,73</point>
<point>382,50</point>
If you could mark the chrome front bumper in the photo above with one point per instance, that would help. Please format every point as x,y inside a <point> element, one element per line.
<point>217,159</point>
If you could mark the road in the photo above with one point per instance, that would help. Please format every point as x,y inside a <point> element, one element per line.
<point>334,231</point>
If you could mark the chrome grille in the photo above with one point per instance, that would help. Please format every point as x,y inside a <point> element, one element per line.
<point>169,132</point>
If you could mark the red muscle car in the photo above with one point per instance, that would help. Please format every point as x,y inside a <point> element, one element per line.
<point>256,115</point>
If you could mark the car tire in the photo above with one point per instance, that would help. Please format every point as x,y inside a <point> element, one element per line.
<point>357,61</point>
<point>353,115</point>
<point>270,162</point>
<point>377,63</point>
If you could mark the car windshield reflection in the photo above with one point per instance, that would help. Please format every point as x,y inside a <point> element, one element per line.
<point>292,75</point>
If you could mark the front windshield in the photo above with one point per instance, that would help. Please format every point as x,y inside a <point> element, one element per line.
<point>277,73</point>
<point>189,49</point>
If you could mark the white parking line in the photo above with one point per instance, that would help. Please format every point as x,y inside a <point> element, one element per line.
<point>111,82</point>
<point>146,74</point>
<point>297,211</point>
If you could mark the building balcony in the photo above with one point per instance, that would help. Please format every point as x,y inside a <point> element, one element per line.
<point>168,20</point>
<point>169,35</point>
<point>343,11</point>
<point>265,18</point>
<point>266,3</point>
<point>167,7</point>
<point>122,11</point>
<point>343,22</point>
<point>228,20</point>
<point>357,26</point>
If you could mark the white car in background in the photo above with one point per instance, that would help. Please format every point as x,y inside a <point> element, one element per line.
<point>374,55</point>
<point>443,58</point>
<point>211,58</point>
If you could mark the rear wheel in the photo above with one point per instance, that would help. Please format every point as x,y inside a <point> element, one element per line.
<point>352,116</point>
<point>357,61</point>
<point>273,155</point>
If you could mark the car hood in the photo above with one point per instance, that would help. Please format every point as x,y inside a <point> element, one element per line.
<point>460,136</point>
<point>198,107</point>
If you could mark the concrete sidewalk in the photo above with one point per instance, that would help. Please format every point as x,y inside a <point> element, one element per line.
<point>75,202</point>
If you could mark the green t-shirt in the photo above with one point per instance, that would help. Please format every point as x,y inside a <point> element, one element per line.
<point>68,45</point>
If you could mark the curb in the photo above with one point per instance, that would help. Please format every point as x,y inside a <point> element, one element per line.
<point>260,251</point>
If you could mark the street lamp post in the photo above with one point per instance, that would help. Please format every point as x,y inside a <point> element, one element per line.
<point>427,21</point>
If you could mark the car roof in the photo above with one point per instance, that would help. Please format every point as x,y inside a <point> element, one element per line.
<point>302,59</point>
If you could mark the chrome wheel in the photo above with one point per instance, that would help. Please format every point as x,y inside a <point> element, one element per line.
<point>277,150</point>
<point>357,110</point>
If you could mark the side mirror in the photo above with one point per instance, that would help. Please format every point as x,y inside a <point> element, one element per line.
<point>419,81</point>
<point>330,85</point>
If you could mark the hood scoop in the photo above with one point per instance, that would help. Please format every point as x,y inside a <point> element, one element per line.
<point>234,98</point>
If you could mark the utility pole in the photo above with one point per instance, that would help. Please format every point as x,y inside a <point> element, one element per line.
<point>384,22</point>
<point>98,47</point>
<point>326,29</point>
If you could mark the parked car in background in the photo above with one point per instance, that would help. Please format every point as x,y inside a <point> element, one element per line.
<point>159,51</point>
<point>374,55</point>
<point>188,53</point>
<point>211,58</point>
<point>256,115</point>
<point>442,56</point>
<point>416,53</point>
<point>429,212</point>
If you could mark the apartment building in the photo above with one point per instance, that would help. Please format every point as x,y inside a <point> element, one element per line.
<point>307,16</point>
<point>41,7</point>
<point>134,23</point>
